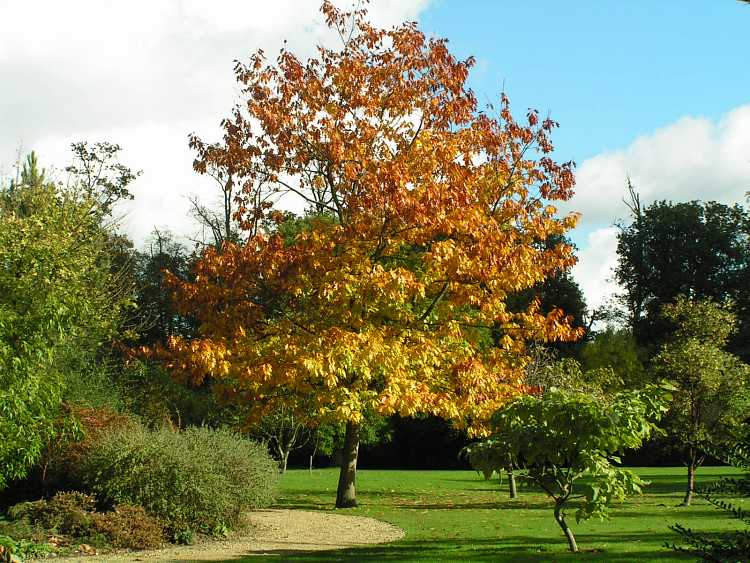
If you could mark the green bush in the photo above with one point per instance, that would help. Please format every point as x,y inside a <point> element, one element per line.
<point>197,480</point>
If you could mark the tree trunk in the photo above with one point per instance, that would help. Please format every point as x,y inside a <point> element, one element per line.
<point>346,494</point>
<point>512,484</point>
<point>284,460</point>
<point>690,483</point>
<point>560,519</point>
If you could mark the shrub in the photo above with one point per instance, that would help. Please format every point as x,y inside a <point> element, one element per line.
<point>197,480</point>
<point>130,527</point>
<point>74,515</point>
<point>63,458</point>
<point>66,513</point>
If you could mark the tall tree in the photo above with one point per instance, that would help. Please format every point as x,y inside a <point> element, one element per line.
<point>59,301</point>
<point>426,214</point>
<point>158,318</point>
<point>698,249</point>
<point>712,387</point>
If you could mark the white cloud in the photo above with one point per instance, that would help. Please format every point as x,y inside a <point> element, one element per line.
<point>143,74</point>
<point>693,158</point>
<point>596,262</point>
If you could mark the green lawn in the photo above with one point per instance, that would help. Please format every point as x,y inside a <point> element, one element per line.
<point>456,516</point>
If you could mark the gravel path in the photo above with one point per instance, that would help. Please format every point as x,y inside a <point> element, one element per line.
<point>270,531</point>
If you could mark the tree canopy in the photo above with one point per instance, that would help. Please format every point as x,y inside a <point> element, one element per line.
<point>712,386</point>
<point>698,249</point>
<point>426,213</point>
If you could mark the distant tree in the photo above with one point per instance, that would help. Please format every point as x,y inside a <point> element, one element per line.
<point>698,249</point>
<point>726,546</point>
<point>158,318</point>
<point>711,399</point>
<point>559,437</point>
<point>615,349</point>
<point>283,431</point>
<point>489,457</point>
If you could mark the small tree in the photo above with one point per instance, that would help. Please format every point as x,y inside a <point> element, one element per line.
<point>283,431</point>
<point>559,437</point>
<point>488,457</point>
<point>712,393</point>
<point>728,546</point>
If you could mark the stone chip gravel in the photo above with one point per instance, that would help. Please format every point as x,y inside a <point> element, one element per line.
<point>271,531</point>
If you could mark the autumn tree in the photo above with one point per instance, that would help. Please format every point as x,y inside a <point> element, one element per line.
<point>425,214</point>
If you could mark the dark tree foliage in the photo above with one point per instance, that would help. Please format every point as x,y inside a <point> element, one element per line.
<point>697,249</point>
<point>558,291</point>
<point>158,317</point>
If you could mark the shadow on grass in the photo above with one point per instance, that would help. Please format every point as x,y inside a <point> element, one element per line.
<point>502,549</point>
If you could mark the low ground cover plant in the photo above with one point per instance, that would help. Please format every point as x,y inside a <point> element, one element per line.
<point>71,520</point>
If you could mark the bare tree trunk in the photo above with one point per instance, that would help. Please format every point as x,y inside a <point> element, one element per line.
<point>346,493</point>
<point>284,460</point>
<point>690,482</point>
<point>312,455</point>
<point>512,484</point>
<point>560,519</point>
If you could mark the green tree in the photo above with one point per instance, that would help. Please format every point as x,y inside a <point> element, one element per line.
<point>696,248</point>
<point>712,393</point>
<point>63,288</point>
<point>488,457</point>
<point>559,437</point>
<point>615,349</point>
<point>728,546</point>
<point>57,301</point>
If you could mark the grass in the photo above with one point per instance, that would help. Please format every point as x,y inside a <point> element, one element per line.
<point>457,516</point>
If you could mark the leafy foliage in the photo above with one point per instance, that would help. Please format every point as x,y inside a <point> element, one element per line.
<point>558,437</point>
<point>426,213</point>
<point>198,480</point>
<point>711,398</point>
<point>617,350</point>
<point>58,301</point>
<point>694,248</point>
<point>732,546</point>
<point>488,457</point>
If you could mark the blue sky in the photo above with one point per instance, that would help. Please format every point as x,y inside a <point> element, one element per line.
<point>655,89</point>
<point>632,83</point>
<point>607,70</point>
